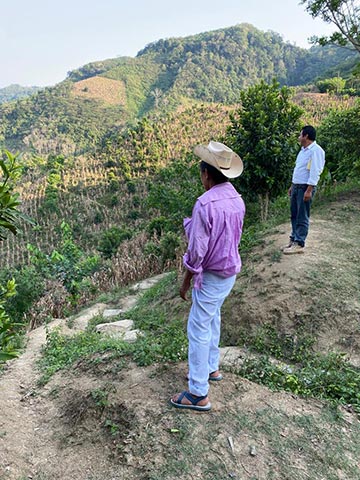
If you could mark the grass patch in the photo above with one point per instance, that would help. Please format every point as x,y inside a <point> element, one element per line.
<point>328,377</point>
<point>62,351</point>
<point>163,336</point>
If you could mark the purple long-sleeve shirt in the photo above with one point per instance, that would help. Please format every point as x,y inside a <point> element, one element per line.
<point>214,233</point>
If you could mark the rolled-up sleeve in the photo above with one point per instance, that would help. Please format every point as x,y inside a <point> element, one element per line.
<point>198,237</point>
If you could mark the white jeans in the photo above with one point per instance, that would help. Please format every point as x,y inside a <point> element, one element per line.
<point>204,330</point>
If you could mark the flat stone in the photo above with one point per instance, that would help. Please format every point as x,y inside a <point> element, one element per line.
<point>127,335</point>
<point>119,327</point>
<point>131,336</point>
<point>111,312</point>
<point>232,356</point>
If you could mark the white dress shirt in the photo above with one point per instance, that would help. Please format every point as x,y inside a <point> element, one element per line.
<point>309,165</point>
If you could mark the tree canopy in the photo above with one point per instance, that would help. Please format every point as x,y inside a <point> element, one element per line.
<point>344,14</point>
<point>262,132</point>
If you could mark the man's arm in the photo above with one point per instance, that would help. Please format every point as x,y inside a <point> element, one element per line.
<point>186,284</point>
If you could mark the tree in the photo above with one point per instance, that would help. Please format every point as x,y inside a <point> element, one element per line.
<point>339,133</point>
<point>332,85</point>
<point>262,132</point>
<point>9,213</point>
<point>9,201</point>
<point>344,14</point>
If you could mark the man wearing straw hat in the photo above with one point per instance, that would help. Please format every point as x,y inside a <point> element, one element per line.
<point>211,261</point>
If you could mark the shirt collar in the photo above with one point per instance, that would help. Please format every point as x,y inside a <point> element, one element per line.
<point>309,146</point>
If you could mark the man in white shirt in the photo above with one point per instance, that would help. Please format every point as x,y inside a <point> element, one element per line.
<point>309,165</point>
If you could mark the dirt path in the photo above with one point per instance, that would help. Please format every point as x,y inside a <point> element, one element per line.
<point>26,443</point>
<point>21,411</point>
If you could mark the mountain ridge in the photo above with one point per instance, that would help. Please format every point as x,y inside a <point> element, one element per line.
<point>203,68</point>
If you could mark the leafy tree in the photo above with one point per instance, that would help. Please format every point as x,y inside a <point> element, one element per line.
<point>68,264</point>
<point>339,134</point>
<point>9,200</point>
<point>333,85</point>
<point>344,14</point>
<point>262,133</point>
<point>9,203</point>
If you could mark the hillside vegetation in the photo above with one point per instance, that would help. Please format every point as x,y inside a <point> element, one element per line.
<point>16,92</point>
<point>208,67</point>
<point>282,410</point>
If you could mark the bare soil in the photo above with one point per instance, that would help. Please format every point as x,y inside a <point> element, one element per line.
<point>96,423</point>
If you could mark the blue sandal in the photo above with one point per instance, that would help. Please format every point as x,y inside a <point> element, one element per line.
<point>194,402</point>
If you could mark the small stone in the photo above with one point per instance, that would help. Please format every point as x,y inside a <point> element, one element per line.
<point>253,451</point>
<point>111,312</point>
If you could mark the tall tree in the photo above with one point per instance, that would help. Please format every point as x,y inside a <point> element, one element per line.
<point>344,14</point>
<point>262,132</point>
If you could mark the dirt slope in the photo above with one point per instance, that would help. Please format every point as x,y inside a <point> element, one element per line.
<point>106,422</point>
<point>318,290</point>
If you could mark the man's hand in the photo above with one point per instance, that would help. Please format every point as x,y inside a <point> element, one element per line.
<point>289,191</point>
<point>308,193</point>
<point>185,286</point>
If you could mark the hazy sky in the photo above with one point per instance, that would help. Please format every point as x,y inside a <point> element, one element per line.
<point>41,40</point>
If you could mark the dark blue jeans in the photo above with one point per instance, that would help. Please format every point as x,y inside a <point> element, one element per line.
<point>300,214</point>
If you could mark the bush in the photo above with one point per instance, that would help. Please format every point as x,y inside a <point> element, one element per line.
<point>111,239</point>
<point>331,85</point>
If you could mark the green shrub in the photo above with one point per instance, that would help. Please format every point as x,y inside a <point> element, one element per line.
<point>111,239</point>
<point>331,85</point>
<point>8,328</point>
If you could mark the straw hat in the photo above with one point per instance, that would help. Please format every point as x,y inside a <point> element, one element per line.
<point>221,157</point>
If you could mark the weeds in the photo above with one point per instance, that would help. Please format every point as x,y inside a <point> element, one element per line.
<point>328,377</point>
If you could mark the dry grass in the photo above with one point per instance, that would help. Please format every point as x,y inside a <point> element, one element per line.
<point>111,92</point>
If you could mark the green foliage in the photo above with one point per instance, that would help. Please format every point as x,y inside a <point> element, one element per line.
<point>15,92</point>
<point>163,339</point>
<point>165,248</point>
<point>9,213</point>
<point>263,132</point>
<point>173,191</point>
<point>331,85</point>
<point>61,351</point>
<point>209,67</point>
<point>69,264</point>
<point>329,377</point>
<point>30,285</point>
<point>294,348</point>
<point>344,14</point>
<point>8,331</point>
<point>9,200</point>
<point>339,134</point>
<point>111,239</point>
<point>94,68</point>
<point>54,120</point>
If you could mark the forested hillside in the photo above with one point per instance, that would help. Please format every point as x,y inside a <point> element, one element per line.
<point>15,92</point>
<point>73,116</point>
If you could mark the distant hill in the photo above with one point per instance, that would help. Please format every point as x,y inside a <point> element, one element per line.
<point>15,92</point>
<point>73,116</point>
